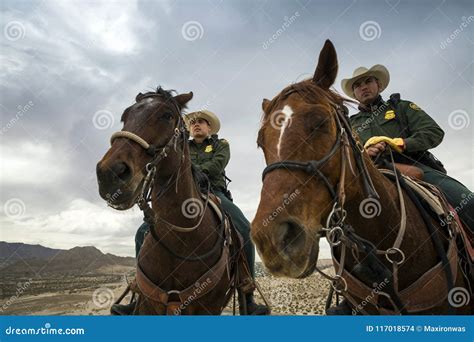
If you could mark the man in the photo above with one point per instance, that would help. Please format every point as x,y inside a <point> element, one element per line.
<point>409,130</point>
<point>210,155</point>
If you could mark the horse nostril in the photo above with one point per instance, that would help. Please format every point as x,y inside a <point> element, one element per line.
<point>121,170</point>
<point>291,236</point>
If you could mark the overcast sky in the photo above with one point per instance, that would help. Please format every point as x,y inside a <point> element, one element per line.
<point>69,69</point>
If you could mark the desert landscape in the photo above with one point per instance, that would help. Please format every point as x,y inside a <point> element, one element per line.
<point>37,280</point>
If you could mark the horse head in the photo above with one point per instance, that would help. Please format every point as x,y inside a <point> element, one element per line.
<point>298,125</point>
<point>152,128</point>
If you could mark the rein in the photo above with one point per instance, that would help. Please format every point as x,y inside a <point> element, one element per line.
<point>339,233</point>
<point>211,277</point>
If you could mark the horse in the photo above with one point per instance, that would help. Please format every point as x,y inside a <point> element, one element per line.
<point>319,182</point>
<point>189,261</point>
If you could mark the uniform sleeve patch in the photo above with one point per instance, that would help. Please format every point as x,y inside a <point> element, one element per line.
<point>414,106</point>
<point>224,141</point>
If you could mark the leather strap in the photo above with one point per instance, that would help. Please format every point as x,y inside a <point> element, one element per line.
<point>418,296</point>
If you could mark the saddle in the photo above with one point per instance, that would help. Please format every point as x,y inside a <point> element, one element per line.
<point>418,297</point>
<point>433,197</point>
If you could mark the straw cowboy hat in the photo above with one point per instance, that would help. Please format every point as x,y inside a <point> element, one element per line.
<point>207,115</point>
<point>378,71</point>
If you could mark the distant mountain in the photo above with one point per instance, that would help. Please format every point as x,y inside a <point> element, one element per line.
<point>18,250</point>
<point>34,259</point>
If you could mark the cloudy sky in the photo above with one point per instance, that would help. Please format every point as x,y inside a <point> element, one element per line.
<point>69,69</point>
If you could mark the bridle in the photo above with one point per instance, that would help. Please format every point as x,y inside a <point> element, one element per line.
<point>223,242</point>
<point>158,154</point>
<point>337,231</point>
<point>344,140</point>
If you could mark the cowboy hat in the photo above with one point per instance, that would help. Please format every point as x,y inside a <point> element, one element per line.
<point>378,71</point>
<point>207,115</point>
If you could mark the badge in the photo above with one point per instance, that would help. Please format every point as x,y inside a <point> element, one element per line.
<point>414,106</point>
<point>208,149</point>
<point>389,115</point>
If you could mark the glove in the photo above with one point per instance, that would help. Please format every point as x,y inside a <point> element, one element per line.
<point>397,144</point>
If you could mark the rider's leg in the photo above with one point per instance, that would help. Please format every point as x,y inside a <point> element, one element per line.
<point>243,226</point>
<point>140,237</point>
<point>459,196</point>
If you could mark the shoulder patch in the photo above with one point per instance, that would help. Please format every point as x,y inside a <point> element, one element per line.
<point>414,106</point>
<point>224,141</point>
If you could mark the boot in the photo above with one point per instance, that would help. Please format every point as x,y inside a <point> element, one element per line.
<point>343,308</point>
<point>253,308</point>
<point>123,309</point>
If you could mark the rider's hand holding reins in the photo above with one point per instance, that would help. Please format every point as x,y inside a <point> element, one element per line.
<point>377,144</point>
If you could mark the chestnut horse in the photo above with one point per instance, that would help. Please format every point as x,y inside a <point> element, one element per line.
<point>319,181</point>
<point>187,263</point>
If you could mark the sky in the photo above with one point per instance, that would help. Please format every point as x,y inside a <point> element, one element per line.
<point>69,69</point>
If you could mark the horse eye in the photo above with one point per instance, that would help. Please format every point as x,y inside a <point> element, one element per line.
<point>167,116</point>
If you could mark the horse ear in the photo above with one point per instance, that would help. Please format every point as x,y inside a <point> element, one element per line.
<point>182,99</point>
<point>138,97</point>
<point>265,104</point>
<point>326,70</point>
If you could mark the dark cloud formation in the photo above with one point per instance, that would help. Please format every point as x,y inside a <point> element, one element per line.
<point>66,64</point>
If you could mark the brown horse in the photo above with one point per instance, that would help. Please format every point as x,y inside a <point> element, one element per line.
<point>319,181</point>
<point>188,261</point>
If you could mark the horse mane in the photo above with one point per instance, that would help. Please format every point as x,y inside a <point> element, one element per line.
<point>166,95</point>
<point>312,94</point>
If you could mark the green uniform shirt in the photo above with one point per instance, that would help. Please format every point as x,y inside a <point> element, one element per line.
<point>403,120</point>
<point>211,157</point>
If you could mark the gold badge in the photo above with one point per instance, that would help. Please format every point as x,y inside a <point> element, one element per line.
<point>208,149</point>
<point>389,115</point>
<point>414,106</point>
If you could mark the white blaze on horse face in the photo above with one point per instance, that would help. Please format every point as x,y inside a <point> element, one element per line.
<point>288,112</point>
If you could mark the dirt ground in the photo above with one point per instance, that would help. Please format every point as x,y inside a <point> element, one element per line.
<point>93,295</point>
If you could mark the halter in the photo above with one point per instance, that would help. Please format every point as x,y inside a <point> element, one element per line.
<point>339,233</point>
<point>313,167</point>
<point>158,154</point>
